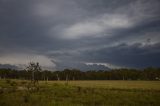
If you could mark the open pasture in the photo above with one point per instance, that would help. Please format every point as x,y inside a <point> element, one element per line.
<point>118,84</point>
<point>79,93</point>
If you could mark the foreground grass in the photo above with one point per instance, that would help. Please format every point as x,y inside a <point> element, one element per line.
<point>120,84</point>
<point>80,93</point>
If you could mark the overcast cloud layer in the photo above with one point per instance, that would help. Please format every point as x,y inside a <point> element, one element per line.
<point>85,34</point>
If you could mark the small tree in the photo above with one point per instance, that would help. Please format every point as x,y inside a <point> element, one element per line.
<point>34,67</point>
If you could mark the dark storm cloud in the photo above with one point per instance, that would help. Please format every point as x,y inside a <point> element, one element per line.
<point>72,33</point>
<point>8,66</point>
<point>136,55</point>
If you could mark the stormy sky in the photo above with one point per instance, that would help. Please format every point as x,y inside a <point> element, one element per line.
<point>80,33</point>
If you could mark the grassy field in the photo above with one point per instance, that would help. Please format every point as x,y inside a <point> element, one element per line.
<point>79,93</point>
<point>120,84</point>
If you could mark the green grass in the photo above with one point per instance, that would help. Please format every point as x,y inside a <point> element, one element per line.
<point>80,93</point>
<point>121,84</point>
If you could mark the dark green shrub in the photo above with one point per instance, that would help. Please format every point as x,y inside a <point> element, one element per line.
<point>8,81</point>
<point>13,83</point>
<point>1,90</point>
<point>23,82</point>
<point>26,97</point>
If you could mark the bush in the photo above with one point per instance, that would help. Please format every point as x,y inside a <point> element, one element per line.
<point>13,83</point>
<point>26,97</point>
<point>8,81</point>
<point>23,82</point>
<point>1,90</point>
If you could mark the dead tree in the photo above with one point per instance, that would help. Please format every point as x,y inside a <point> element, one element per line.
<point>33,68</point>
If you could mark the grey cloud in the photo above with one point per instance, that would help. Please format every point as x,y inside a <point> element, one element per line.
<point>135,55</point>
<point>80,65</point>
<point>99,29</point>
<point>8,66</point>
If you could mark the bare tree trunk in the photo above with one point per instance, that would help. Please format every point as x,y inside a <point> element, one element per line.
<point>58,77</point>
<point>32,75</point>
<point>123,78</point>
<point>33,79</point>
<point>66,77</point>
<point>47,79</point>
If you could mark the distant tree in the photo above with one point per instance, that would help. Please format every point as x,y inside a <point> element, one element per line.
<point>34,73</point>
<point>33,68</point>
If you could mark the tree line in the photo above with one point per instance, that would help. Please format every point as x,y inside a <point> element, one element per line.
<point>75,74</point>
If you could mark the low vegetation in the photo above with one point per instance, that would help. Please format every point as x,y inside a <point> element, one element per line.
<point>79,93</point>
